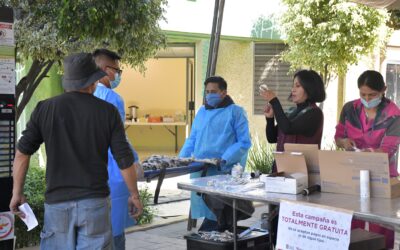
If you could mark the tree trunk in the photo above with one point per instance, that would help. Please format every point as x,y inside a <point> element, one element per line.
<point>28,84</point>
<point>326,82</point>
<point>340,95</point>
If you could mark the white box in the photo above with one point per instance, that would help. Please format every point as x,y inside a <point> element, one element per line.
<point>287,184</point>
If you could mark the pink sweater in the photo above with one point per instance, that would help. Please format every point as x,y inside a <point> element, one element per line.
<point>382,133</point>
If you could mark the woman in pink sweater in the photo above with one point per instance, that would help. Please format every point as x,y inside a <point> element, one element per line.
<point>371,124</point>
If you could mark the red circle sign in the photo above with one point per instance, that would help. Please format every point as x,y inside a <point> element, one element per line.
<point>6,225</point>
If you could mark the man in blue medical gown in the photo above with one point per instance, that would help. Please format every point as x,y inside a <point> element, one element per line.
<point>220,130</point>
<point>108,61</point>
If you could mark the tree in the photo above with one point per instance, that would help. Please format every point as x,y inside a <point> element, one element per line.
<point>46,31</point>
<point>394,21</point>
<point>330,35</point>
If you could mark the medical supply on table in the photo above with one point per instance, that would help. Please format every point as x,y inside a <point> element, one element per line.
<point>364,184</point>
<point>156,162</point>
<point>311,189</point>
<point>237,170</point>
<point>255,174</point>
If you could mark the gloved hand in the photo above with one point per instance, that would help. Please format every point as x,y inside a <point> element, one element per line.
<point>222,166</point>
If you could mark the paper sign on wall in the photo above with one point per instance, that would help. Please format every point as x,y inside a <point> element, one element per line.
<point>6,34</point>
<point>303,226</point>
<point>6,226</point>
<point>7,75</point>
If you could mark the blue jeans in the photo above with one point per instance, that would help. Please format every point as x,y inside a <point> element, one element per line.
<point>81,224</point>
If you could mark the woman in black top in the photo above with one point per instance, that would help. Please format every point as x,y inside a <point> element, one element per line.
<point>302,124</point>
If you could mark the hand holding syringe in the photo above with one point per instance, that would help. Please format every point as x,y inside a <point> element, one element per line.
<point>266,93</point>
<point>263,88</point>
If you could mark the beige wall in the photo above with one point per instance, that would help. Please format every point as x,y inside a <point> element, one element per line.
<point>160,91</point>
<point>235,63</point>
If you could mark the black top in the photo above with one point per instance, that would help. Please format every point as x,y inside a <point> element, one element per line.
<point>300,121</point>
<point>77,130</point>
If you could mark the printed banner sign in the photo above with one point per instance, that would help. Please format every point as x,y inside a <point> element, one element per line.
<point>303,226</point>
<point>6,34</point>
<point>7,75</point>
<point>6,226</point>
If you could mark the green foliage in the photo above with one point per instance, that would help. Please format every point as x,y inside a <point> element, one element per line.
<point>266,27</point>
<point>49,30</point>
<point>148,212</point>
<point>328,36</point>
<point>394,20</point>
<point>260,156</point>
<point>35,186</point>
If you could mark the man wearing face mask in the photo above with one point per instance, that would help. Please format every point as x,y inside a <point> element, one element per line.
<point>220,130</point>
<point>77,129</point>
<point>108,61</point>
<point>371,124</point>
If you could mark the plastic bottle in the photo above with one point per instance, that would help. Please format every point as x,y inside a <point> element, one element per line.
<point>237,171</point>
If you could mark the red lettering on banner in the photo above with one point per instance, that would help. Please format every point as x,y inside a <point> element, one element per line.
<point>297,214</point>
<point>336,230</point>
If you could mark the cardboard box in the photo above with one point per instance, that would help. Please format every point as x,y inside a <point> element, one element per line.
<point>295,178</point>
<point>310,152</point>
<point>286,183</point>
<point>340,173</point>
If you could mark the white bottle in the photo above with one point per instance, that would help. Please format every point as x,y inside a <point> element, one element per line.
<point>237,171</point>
<point>364,184</point>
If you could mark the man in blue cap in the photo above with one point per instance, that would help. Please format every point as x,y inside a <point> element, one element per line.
<point>220,130</point>
<point>77,129</point>
<point>109,62</point>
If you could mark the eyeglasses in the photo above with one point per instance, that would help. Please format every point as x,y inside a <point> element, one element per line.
<point>119,71</point>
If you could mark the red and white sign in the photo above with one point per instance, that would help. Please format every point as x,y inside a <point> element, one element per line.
<point>303,226</point>
<point>6,34</point>
<point>6,226</point>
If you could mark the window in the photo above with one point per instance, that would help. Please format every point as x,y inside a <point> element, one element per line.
<point>270,70</point>
<point>393,82</point>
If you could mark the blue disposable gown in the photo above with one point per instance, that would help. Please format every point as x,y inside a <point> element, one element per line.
<point>119,192</point>
<point>221,133</point>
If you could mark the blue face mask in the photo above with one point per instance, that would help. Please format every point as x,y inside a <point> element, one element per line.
<point>213,99</point>
<point>117,79</point>
<point>371,104</point>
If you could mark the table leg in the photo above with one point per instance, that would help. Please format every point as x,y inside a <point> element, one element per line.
<point>234,225</point>
<point>396,238</point>
<point>159,183</point>
<point>175,134</point>
<point>176,139</point>
<point>191,222</point>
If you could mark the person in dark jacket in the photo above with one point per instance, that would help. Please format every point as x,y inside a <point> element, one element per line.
<point>302,124</point>
<point>77,129</point>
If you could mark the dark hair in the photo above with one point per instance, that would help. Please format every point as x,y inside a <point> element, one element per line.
<point>107,53</point>
<point>312,84</point>
<point>372,79</point>
<point>222,85</point>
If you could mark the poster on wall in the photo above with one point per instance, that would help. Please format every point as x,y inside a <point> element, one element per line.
<point>7,75</point>
<point>305,226</point>
<point>6,226</point>
<point>6,34</point>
